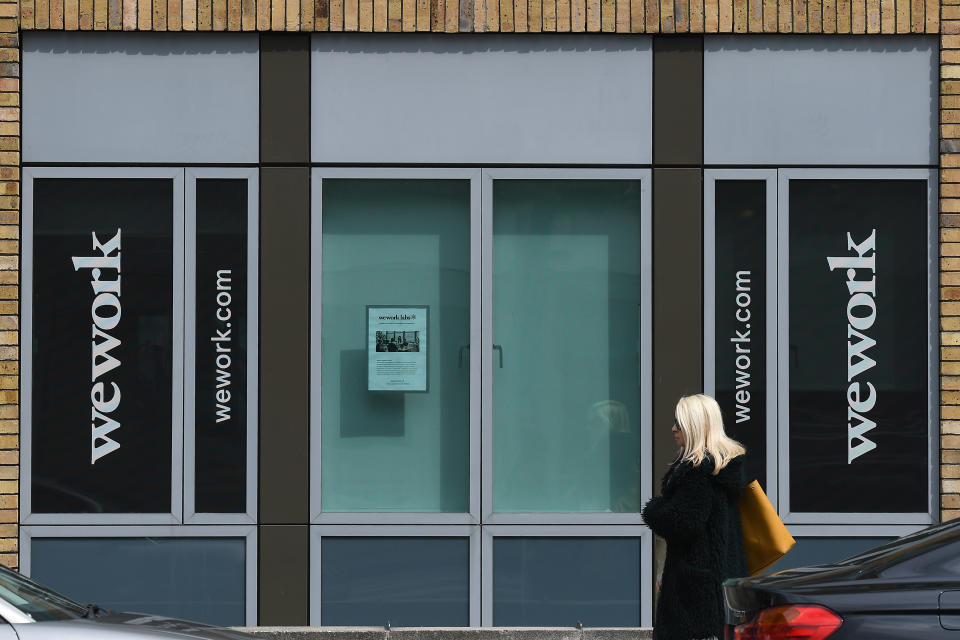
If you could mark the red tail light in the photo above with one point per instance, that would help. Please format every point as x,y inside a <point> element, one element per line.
<point>791,622</point>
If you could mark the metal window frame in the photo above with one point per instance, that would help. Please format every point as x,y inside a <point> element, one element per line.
<point>783,299</point>
<point>490,176</point>
<point>568,531</point>
<point>710,178</point>
<point>318,532</point>
<point>27,517</point>
<point>248,532</point>
<point>190,515</point>
<point>317,515</point>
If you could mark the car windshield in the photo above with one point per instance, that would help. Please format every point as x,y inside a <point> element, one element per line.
<point>909,546</point>
<point>36,601</point>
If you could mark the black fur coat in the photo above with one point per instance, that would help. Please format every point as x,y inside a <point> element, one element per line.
<point>697,515</point>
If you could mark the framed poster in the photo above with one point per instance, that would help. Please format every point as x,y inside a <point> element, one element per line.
<point>397,348</point>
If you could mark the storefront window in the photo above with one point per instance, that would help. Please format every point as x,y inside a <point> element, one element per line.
<point>857,353</point>
<point>403,581</point>
<point>566,332</point>
<point>740,307</point>
<point>395,391</point>
<point>220,401</point>
<point>102,345</point>
<point>202,579</point>
<point>558,582</point>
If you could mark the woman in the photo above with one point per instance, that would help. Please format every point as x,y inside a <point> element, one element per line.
<point>697,515</point>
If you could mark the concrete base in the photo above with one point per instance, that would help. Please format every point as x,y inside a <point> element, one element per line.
<point>453,633</point>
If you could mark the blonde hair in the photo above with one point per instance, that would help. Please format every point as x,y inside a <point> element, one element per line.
<point>699,420</point>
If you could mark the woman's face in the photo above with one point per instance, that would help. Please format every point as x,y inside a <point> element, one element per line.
<point>677,434</point>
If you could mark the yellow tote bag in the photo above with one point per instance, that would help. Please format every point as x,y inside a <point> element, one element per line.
<point>765,538</point>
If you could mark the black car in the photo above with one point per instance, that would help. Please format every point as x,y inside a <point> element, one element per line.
<point>905,589</point>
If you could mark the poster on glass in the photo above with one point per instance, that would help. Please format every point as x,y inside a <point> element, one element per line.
<point>397,348</point>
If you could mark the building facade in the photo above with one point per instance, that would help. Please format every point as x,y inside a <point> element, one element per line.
<point>379,309</point>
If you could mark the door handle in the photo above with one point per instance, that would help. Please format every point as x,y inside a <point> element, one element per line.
<point>499,349</point>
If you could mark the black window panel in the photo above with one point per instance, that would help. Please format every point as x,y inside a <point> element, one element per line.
<point>828,473</point>
<point>741,316</point>
<point>67,475</point>
<point>221,346</point>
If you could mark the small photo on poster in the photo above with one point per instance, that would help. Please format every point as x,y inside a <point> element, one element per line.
<point>397,348</point>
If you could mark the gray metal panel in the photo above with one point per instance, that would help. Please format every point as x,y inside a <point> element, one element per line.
<point>494,99</point>
<point>177,98</point>
<point>820,100</point>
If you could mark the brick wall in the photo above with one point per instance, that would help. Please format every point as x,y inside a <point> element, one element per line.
<point>452,16</point>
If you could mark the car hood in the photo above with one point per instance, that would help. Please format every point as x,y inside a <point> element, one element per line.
<point>120,626</point>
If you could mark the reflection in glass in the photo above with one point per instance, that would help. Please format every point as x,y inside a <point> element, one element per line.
<point>407,582</point>
<point>395,243</point>
<point>566,305</point>
<point>557,582</point>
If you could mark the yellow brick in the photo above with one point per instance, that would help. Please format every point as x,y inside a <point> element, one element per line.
<point>950,442</point>
<point>949,514</point>
<point>946,397</point>
<point>947,278</point>
<point>949,71</point>
<point>946,471</point>
<point>948,501</point>
<point>950,339</point>
<point>950,368</point>
<point>13,382</point>
<point>950,413</point>
<point>950,205</point>
<point>9,397</point>
<point>9,458</point>
<point>950,427</point>
<point>950,486</point>
<point>9,353</point>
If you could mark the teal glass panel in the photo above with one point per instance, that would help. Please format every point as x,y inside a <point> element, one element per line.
<point>396,243</point>
<point>566,334</point>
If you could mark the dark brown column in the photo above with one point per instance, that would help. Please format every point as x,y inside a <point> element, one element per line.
<point>284,443</point>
